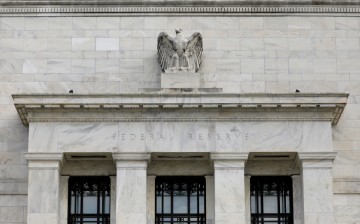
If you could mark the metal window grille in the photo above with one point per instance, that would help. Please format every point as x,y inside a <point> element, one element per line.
<point>180,200</point>
<point>89,200</point>
<point>271,200</point>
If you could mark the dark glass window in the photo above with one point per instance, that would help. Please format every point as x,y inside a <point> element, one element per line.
<point>180,200</point>
<point>271,200</point>
<point>89,200</point>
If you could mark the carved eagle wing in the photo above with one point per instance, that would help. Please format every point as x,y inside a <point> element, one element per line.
<point>165,50</point>
<point>194,50</point>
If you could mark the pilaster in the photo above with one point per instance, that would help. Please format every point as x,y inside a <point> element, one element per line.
<point>151,199</point>
<point>230,207</point>
<point>317,187</point>
<point>210,200</point>
<point>44,187</point>
<point>131,187</point>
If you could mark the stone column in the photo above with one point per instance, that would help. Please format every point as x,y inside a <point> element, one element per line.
<point>297,198</point>
<point>247,199</point>
<point>317,187</point>
<point>64,195</point>
<point>44,187</point>
<point>113,200</point>
<point>131,187</point>
<point>210,200</point>
<point>229,187</point>
<point>151,199</point>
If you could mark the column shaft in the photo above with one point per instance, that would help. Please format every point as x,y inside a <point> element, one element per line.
<point>229,188</point>
<point>317,187</point>
<point>44,187</point>
<point>131,188</point>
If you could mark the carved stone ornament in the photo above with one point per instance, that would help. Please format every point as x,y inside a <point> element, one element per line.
<point>179,53</point>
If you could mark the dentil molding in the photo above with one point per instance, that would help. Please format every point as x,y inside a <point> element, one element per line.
<point>180,107</point>
<point>177,7</point>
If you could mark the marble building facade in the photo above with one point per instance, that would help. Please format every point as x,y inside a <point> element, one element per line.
<point>123,121</point>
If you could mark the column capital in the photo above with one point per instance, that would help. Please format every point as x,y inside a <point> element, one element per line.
<point>131,156</point>
<point>317,155</point>
<point>42,156</point>
<point>131,160</point>
<point>229,161</point>
<point>40,160</point>
<point>316,159</point>
<point>229,156</point>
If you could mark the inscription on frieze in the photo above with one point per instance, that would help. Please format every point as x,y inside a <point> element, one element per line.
<point>186,136</point>
<point>228,137</point>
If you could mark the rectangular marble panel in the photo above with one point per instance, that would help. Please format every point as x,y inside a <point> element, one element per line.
<point>317,136</point>
<point>43,192</point>
<point>150,200</point>
<point>63,195</point>
<point>180,80</point>
<point>36,218</point>
<point>177,137</point>
<point>317,190</point>
<point>229,191</point>
<point>131,188</point>
<point>42,137</point>
<point>87,137</point>
<point>272,136</point>
<point>131,191</point>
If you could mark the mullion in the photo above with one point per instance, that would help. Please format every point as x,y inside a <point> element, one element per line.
<point>188,199</point>
<point>278,200</point>
<point>198,200</point>
<point>81,206</point>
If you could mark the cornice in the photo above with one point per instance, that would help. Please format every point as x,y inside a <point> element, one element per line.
<point>180,107</point>
<point>309,156</point>
<point>242,156</point>
<point>131,156</point>
<point>44,161</point>
<point>38,156</point>
<point>316,160</point>
<point>177,7</point>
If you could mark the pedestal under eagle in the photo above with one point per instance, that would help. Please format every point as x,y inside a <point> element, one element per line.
<point>179,53</point>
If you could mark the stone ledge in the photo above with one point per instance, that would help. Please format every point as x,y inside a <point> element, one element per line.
<point>198,107</point>
<point>242,156</point>
<point>38,156</point>
<point>131,156</point>
<point>177,2</point>
<point>185,8</point>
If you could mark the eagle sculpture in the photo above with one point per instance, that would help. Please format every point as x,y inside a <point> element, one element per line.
<point>179,53</point>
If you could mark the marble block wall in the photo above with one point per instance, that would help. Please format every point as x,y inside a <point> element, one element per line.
<point>118,54</point>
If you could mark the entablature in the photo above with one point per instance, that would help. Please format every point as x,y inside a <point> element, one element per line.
<point>181,107</point>
<point>177,7</point>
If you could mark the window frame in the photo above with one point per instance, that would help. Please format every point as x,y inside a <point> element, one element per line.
<point>189,217</point>
<point>284,183</point>
<point>103,186</point>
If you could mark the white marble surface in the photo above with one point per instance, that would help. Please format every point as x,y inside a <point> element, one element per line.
<point>180,167</point>
<point>317,192</point>
<point>43,137</point>
<point>210,200</point>
<point>181,137</point>
<point>180,80</point>
<point>43,196</point>
<point>63,201</point>
<point>229,43</point>
<point>229,185</point>
<point>298,206</point>
<point>87,137</point>
<point>131,189</point>
<point>150,200</point>
<point>271,136</point>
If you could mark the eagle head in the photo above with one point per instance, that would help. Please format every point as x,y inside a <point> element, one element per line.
<point>178,30</point>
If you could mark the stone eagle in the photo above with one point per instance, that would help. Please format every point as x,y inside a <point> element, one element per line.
<point>179,53</point>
